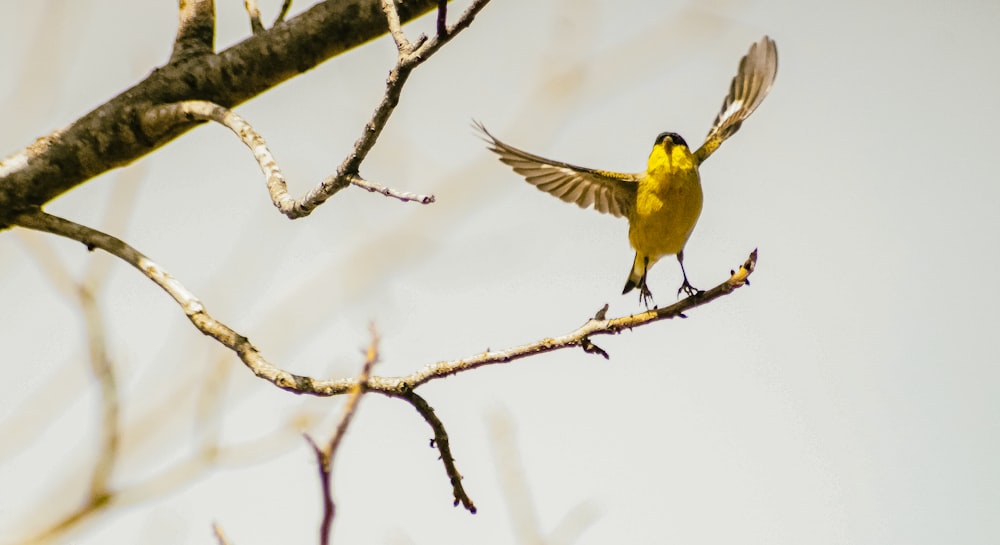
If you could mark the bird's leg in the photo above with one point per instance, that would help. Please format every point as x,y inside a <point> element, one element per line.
<point>645,296</point>
<point>686,287</point>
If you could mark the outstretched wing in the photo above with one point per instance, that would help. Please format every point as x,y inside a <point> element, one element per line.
<point>751,84</point>
<point>608,192</point>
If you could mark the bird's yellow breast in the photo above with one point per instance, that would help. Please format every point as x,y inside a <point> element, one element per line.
<point>668,203</point>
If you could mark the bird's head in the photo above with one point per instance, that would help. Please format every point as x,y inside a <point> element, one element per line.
<point>670,151</point>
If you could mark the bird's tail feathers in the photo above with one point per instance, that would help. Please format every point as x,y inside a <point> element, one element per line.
<point>637,276</point>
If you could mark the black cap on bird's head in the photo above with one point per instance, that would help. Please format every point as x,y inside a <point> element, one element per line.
<point>671,138</point>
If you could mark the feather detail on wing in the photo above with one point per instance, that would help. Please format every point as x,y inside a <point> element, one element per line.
<point>608,192</point>
<point>751,84</point>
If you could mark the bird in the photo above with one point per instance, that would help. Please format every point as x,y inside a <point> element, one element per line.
<point>663,203</point>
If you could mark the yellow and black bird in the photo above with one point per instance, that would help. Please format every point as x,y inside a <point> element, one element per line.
<point>663,203</point>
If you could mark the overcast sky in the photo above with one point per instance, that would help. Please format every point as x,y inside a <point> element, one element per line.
<point>848,396</point>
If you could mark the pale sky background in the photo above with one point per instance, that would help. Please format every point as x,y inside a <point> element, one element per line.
<point>850,395</point>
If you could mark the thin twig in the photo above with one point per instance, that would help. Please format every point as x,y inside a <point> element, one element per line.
<point>442,18</point>
<point>390,192</point>
<point>441,442</point>
<point>163,117</point>
<point>219,535</point>
<point>324,456</point>
<point>395,28</point>
<point>285,6</point>
<point>104,371</point>
<point>254,12</point>
<point>409,56</point>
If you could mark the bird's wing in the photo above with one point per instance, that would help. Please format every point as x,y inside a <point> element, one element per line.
<point>609,192</point>
<point>751,84</point>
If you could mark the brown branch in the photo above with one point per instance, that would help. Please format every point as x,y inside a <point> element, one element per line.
<point>442,18</point>
<point>109,136</point>
<point>195,30</point>
<point>254,13</point>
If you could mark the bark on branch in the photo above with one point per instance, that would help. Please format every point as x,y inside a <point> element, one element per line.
<point>112,135</point>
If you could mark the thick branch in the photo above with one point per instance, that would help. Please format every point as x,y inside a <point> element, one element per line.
<point>110,136</point>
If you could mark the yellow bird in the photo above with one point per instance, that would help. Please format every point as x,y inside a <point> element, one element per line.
<point>663,203</point>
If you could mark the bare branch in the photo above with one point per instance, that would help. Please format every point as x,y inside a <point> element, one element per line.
<point>440,441</point>
<point>581,336</point>
<point>285,6</point>
<point>442,18</point>
<point>254,12</point>
<point>391,386</point>
<point>390,192</point>
<point>165,117</point>
<point>409,57</point>
<point>108,137</point>
<point>195,30</point>
<point>219,535</point>
<point>103,370</point>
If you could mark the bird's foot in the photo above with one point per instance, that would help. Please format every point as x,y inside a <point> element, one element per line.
<point>646,296</point>
<point>688,289</point>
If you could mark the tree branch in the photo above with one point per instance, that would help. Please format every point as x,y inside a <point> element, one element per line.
<point>399,387</point>
<point>110,136</point>
<point>163,118</point>
<point>256,26</point>
<point>392,386</point>
<point>440,441</point>
<point>195,30</point>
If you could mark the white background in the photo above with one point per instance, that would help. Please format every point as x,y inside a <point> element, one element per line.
<point>848,396</point>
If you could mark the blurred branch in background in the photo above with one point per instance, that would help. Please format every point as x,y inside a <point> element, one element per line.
<point>120,442</point>
<point>514,482</point>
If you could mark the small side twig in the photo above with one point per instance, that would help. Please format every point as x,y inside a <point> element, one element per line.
<point>254,12</point>
<point>285,6</point>
<point>404,196</point>
<point>440,441</point>
<point>442,18</point>
<point>163,117</point>
<point>195,30</point>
